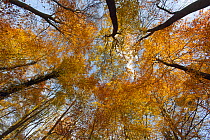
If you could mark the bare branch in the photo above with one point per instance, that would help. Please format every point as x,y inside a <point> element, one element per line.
<point>165,9</point>
<point>91,5</point>
<point>197,5</point>
<point>149,34</point>
<point>59,119</point>
<point>35,111</point>
<point>46,17</point>
<point>76,11</point>
<point>70,9</point>
<point>186,69</point>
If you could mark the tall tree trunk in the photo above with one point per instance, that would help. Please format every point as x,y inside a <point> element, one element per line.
<point>113,16</point>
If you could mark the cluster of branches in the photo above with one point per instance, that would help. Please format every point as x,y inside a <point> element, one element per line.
<point>199,4</point>
<point>13,88</point>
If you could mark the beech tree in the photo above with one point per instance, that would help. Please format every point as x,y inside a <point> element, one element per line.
<point>113,69</point>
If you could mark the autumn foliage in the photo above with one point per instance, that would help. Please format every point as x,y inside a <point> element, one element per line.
<point>63,76</point>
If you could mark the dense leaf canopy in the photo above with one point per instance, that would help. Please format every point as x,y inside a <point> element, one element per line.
<point>104,69</point>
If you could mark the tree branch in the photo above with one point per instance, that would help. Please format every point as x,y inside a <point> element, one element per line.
<point>59,119</point>
<point>7,91</point>
<point>91,5</point>
<point>186,69</point>
<point>149,34</point>
<point>46,17</point>
<point>167,117</point>
<point>197,5</point>
<point>70,9</point>
<point>165,9</point>
<point>25,118</point>
<point>17,66</point>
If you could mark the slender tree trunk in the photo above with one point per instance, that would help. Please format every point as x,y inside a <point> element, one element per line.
<point>59,119</point>
<point>7,91</point>
<point>24,119</point>
<point>113,16</point>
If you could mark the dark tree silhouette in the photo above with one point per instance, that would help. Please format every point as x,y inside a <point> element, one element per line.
<point>195,6</point>
<point>186,69</point>
<point>7,91</point>
<point>113,16</point>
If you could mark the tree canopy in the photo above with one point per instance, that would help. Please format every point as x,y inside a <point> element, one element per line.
<point>104,69</point>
